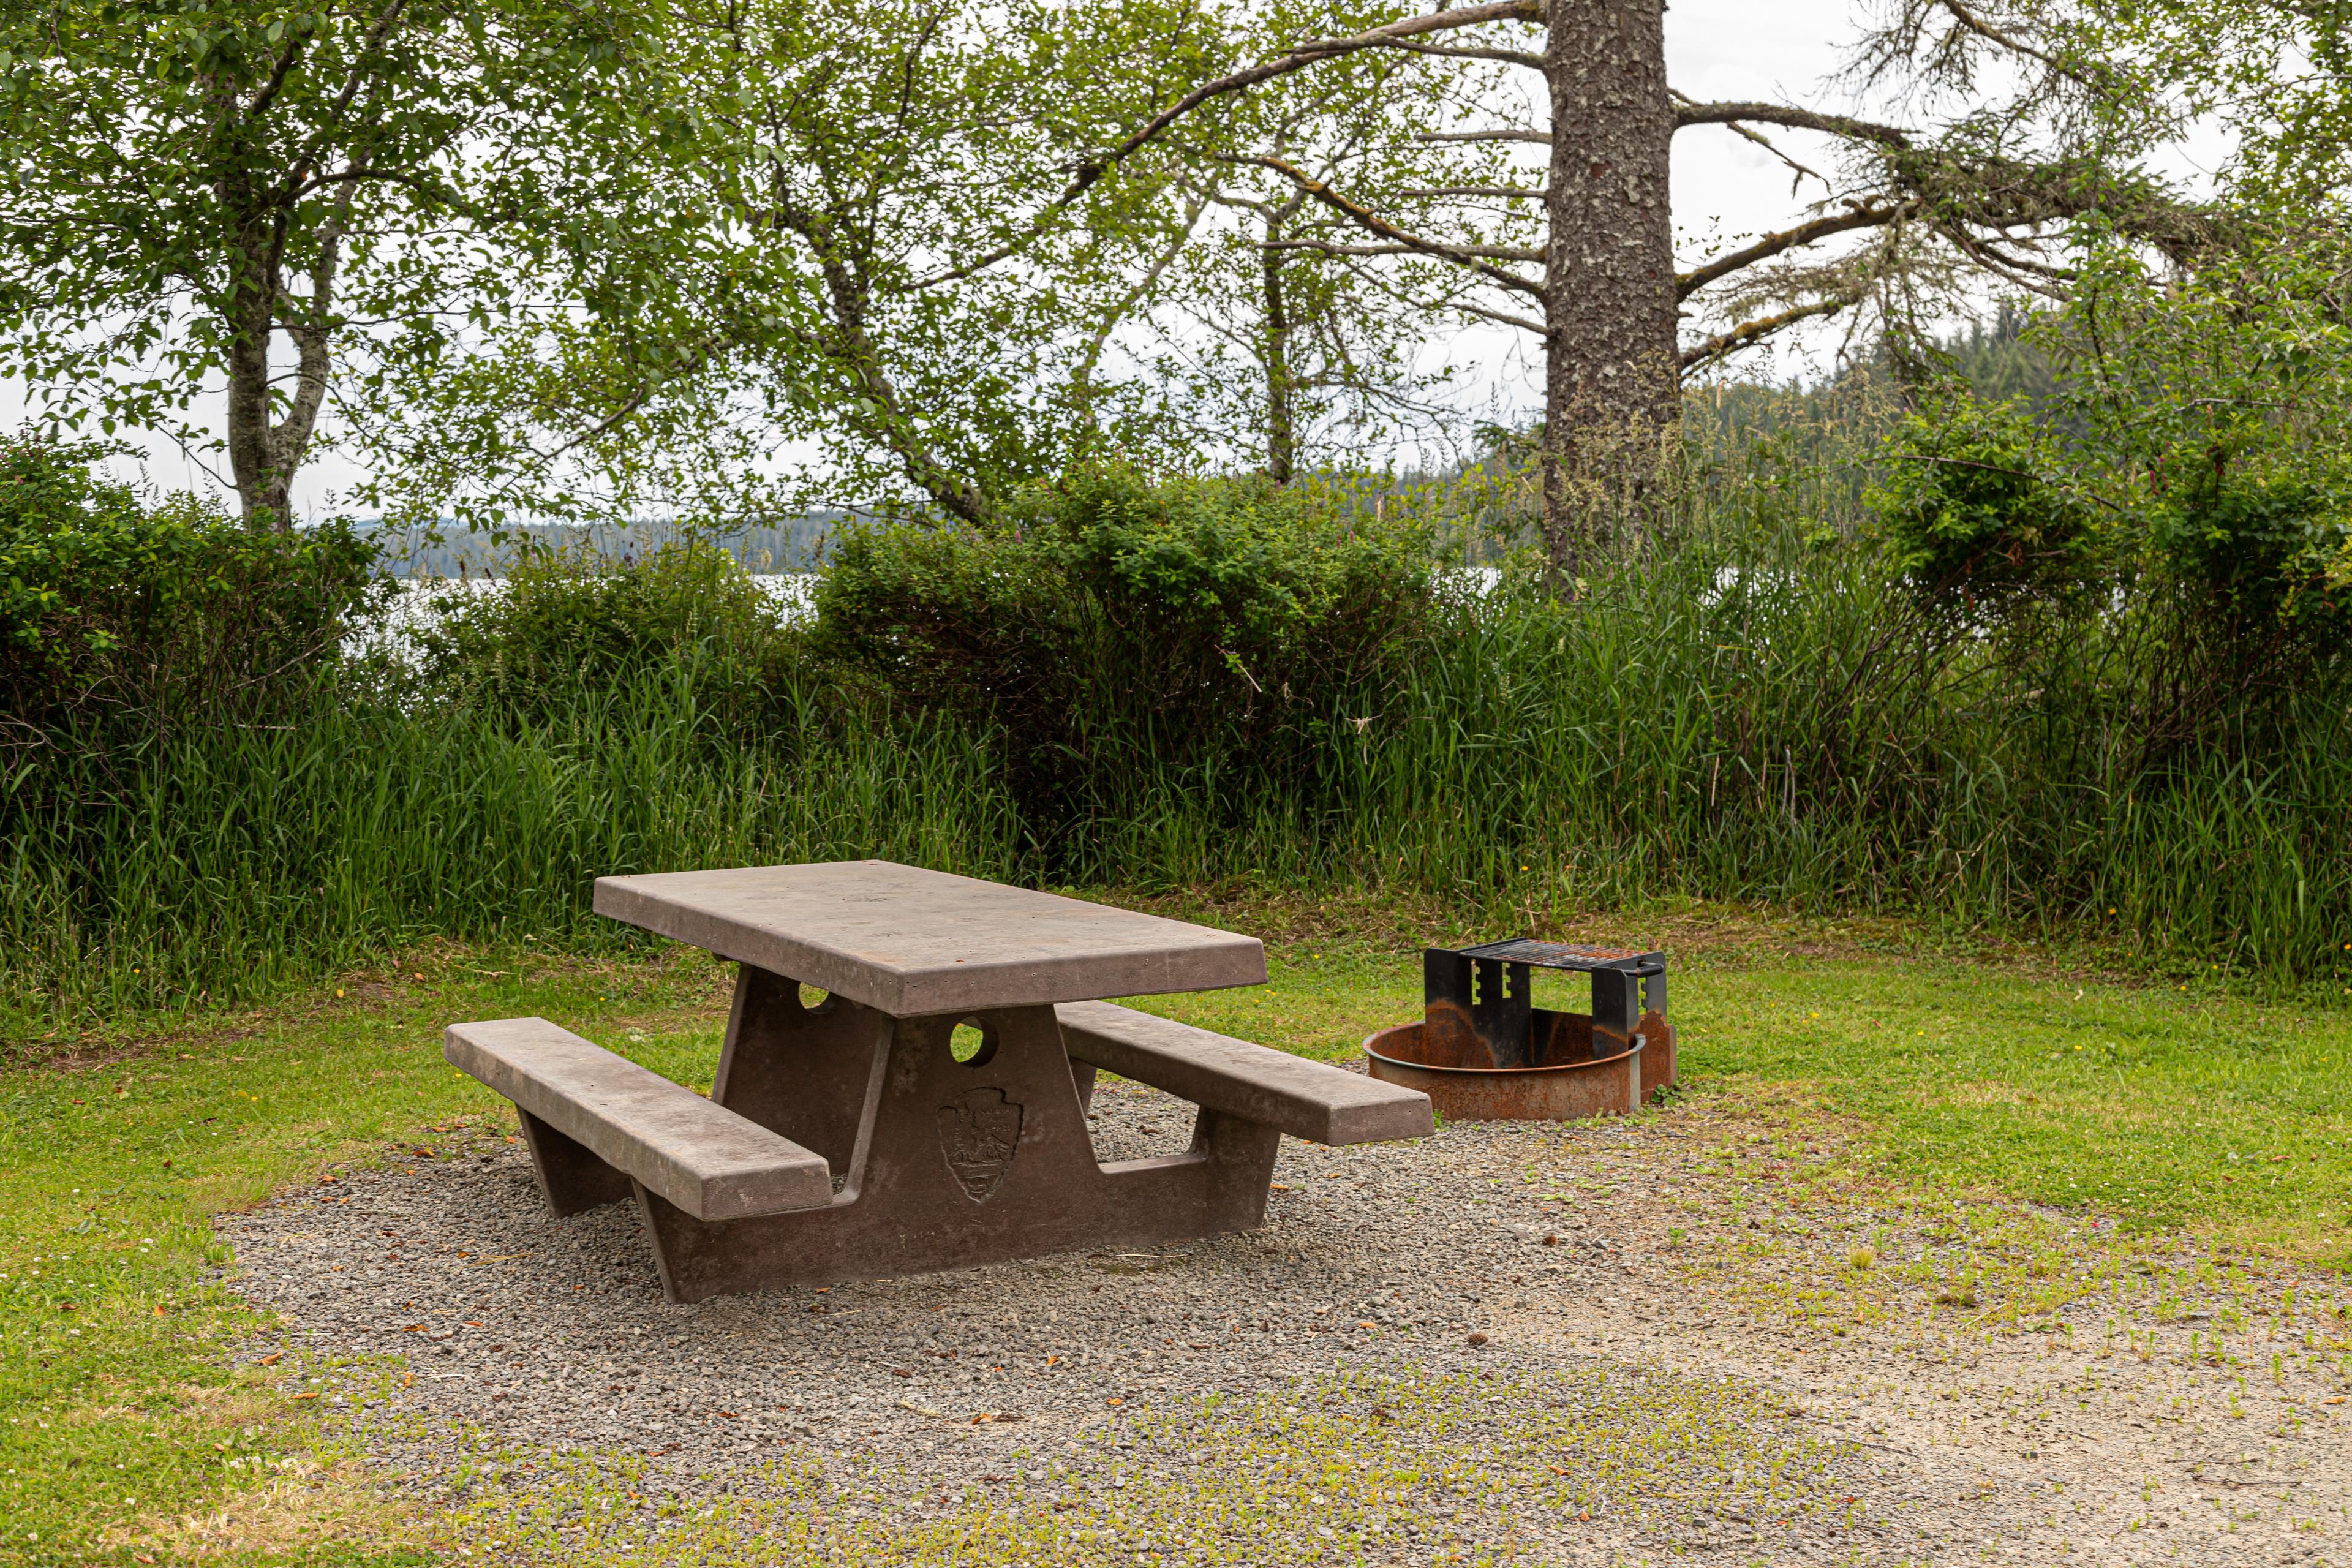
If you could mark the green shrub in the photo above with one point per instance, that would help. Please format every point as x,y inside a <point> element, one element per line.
<point>114,609</point>
<point>1975,515</point>
<point>2257,547</point>
<point>567,620</point>
<point>1123,636</point>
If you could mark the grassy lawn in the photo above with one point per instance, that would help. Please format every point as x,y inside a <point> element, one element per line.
<point>2211,1109</point>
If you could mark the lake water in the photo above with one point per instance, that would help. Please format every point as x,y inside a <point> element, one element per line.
<point>423,602</point>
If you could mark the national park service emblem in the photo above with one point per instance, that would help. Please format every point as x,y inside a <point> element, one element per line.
<point>979,1130</point>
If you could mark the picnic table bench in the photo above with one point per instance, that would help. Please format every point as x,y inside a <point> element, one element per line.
<point>846,1138</point>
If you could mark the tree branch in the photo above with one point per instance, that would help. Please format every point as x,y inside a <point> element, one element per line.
<point>1364,217</point>
<point>1514,192</point>
<point>1503,317</point>
<point>1541,138</point>
<point>1790,118</point>
<point>1332,247</point>
<point>1749,133</point>
<point>1771,245</point>
<point>1507,56</point>
<point>299,171</point>
<point>1083,378</point>
<point>1975,24</point>
<point>1092,169</point>
<point>1734,338</point>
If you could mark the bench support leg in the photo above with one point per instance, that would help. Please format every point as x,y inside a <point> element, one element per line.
<point>798,1071</point>
<point>572,1179</point>
<point>962,1164</point>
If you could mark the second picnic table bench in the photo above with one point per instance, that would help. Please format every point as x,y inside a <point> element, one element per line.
<point>845,1139</point>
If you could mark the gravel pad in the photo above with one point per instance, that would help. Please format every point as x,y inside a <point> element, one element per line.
<point>1352,1383</point>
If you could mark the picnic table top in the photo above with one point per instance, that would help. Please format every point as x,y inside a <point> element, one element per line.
<point>910,942</point>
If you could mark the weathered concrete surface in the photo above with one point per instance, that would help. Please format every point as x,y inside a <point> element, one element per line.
<point>909,942</point>
<point>708,1161</point>
<point>957,1163</point>
<point>1307,1099</point>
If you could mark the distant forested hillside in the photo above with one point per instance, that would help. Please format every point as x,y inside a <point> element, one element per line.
<point>793,545</point>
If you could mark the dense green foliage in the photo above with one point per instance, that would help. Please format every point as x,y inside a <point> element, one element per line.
<point>1973,517</point>
<point>582,722</point>
<point>566,620</point>
<point>1129,644</point>
<point>116,611</point>
<point>1148,686</point>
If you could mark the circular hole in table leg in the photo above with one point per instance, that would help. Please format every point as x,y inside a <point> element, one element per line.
<point>815,1000</point>
<point>972,1043</point>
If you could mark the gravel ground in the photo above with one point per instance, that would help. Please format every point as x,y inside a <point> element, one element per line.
<point>1424,1354</point>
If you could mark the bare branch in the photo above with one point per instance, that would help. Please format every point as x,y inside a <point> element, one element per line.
<point>1366,218</point>
<point>1968,18</point>
<point>1791,117</point>
<point>1514,192</point>
<point>1507,56</point>
<point>1541,138</point>
<point>1332,247</point>
<point>1505,318</point>
<point>1749,133</point>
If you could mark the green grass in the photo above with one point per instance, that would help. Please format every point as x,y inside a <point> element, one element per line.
<point>119,1414</point>
<point>2163,1106</point>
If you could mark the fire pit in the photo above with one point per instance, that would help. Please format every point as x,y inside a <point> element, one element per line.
<point>1485,1052</point>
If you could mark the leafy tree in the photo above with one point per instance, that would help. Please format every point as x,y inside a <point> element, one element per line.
<point>884,263</point>
<point>1275,328</point>
<point>269,204</point>
<point>2183,508</point>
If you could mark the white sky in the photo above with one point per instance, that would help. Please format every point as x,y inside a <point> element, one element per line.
<point>1716,50</point>
<point>1723,50</point>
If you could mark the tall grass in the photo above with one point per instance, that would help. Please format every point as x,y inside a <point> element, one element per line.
<point>1753,708</point>
<point>217,864</point>
<point>1777,729</point>
<point>1767,725</point>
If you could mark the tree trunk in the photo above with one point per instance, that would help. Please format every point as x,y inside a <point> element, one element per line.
<point>262,479</point>
<point>1610,374</point>
<point>1281,439</point>
<point>264,456</point>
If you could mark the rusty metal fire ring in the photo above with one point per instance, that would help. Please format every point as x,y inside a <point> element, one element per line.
<point>1562,1092</point>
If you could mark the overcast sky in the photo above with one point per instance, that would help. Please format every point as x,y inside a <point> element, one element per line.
<point>1716,50</point>
<point>1727,50</point>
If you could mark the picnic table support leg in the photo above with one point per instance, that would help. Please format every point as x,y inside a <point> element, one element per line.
<point>956,1163</point>
<point>1240,1156</point>
<point>799,1071</point>
<point>572,1179</point>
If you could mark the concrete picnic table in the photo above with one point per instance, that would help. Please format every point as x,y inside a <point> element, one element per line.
<point>846,1138</point>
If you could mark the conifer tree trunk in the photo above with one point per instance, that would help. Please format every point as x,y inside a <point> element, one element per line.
<point>1611,380</point>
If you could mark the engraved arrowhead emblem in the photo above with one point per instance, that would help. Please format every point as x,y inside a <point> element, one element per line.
<point>979,1131</point>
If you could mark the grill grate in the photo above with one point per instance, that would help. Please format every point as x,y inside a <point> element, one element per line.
<point>1564,955</point>
<point>1479,1002</point>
